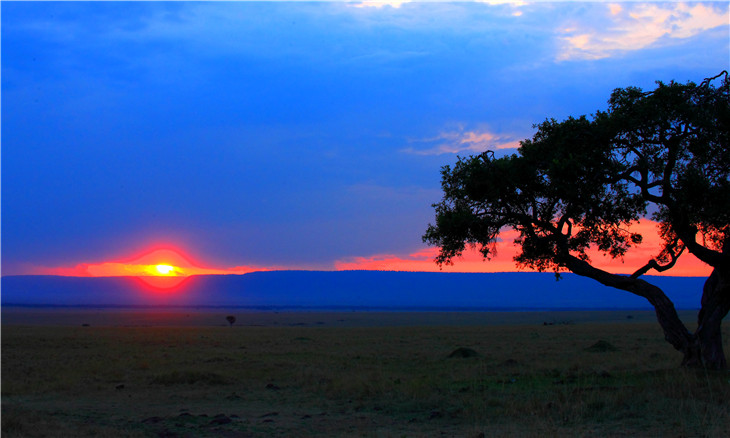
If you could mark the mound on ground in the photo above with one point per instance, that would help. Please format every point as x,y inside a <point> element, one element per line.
<point>601,346</point>
<point>463,352</point>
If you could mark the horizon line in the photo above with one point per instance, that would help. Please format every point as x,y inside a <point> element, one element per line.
<point>327,271</point>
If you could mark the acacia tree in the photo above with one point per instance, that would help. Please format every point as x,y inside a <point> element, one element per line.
<point>675,141</point>
<point>581,183</point>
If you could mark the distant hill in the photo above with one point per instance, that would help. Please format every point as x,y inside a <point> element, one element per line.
<point>353,289</point>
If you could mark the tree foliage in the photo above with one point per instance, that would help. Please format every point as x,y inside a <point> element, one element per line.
<point>559,199</point>
<point>675,142</point>
<point>580,184</point>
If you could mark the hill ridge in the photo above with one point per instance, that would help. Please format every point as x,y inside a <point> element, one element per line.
<point>381,289</point>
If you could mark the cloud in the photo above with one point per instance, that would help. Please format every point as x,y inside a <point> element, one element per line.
<point>514,4</point>
<point>503,2</point>
<point>454,142</point>
<point>422,260</point>
<point>379,4</point>
<point>399,3</point>
<point>634,27</point>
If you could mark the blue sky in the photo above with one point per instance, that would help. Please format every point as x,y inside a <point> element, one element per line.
<point>289,134</point>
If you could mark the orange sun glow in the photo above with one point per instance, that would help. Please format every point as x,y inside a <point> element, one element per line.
<point>160,268</point>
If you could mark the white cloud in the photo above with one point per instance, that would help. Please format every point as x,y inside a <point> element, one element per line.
<point>399,3</point>
<point>515,5</point>
<point>638,26</point>
<point>503,2</point>
<point>379,4</point>
<point>460,140</point>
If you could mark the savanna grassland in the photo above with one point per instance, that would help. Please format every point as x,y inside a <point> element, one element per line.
<point>315,378</point>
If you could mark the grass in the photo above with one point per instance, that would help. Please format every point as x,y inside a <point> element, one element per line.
<point>188,377</point>
<point>530,380</point>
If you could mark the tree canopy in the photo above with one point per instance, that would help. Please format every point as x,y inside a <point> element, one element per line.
<point>580,184</point>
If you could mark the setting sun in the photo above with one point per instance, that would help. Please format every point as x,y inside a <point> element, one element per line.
<point>165,269</point>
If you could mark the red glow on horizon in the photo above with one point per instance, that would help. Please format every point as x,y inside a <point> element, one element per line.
<point>160,268</point>
<point>166,268</point>
<point>473,261</point>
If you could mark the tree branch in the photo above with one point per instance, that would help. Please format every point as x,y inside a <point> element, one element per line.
<point>675,331</point>
<point>688,235</point>
<point>653,264</point>
<point>644,186</point>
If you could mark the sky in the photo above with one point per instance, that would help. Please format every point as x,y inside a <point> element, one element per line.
<point>241,136</point>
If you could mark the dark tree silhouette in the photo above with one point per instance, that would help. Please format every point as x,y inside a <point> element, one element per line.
<point>231,319</point>
<point>581,183</point>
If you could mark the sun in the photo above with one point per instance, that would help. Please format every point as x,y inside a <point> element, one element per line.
<point>165,270</point>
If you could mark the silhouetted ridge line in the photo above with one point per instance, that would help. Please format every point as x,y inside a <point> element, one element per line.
<point>347,289</point>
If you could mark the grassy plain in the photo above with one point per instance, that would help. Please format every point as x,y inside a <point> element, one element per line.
<point>323,375</point>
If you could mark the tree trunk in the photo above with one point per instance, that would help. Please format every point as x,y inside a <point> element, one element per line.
<point>715,306</point>
<point>675,332</point>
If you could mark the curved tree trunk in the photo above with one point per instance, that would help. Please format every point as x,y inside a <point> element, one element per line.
<point>715,306</point>
<point>675,332</point>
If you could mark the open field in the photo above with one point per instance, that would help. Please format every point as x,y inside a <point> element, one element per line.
<point>202,317</point>
<point>374,374</point>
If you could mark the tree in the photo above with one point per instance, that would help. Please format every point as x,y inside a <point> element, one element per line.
<point>581,183</point>
<point>676,140</point>
<point>231,320</point>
